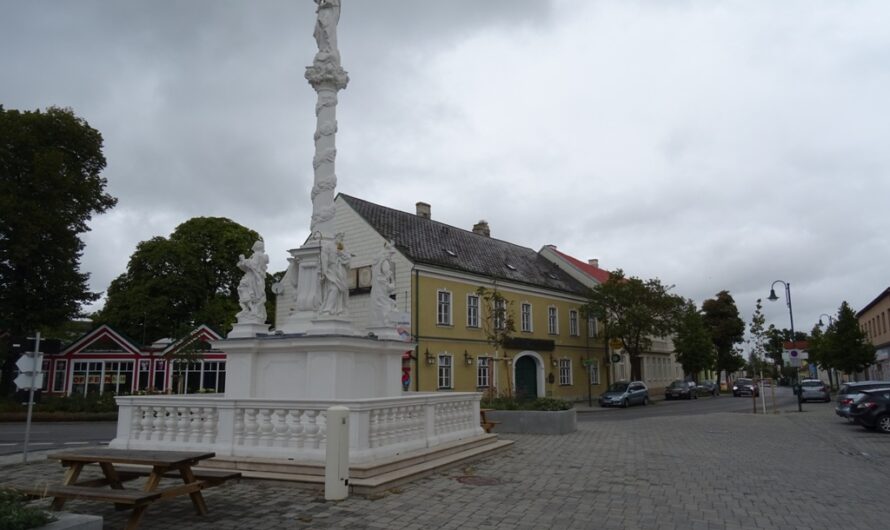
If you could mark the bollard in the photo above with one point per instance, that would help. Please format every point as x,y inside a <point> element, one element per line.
<point>336,469</point>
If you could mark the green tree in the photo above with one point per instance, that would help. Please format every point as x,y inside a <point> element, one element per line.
<point>174,284</point>
<point>692,342</point>
<point>50,188</point>
<point>758,358</point>
<point>634,311</point>
<point>498,323</point>
<point>844,345</point>
<point>727,329</point>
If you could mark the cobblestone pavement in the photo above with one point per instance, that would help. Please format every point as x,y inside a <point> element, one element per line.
<point>724,470</point>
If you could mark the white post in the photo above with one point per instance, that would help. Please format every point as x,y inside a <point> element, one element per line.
<point>336,469</point>
<point>38,366</point>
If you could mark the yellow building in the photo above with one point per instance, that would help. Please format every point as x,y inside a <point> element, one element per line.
<point>439,269</point>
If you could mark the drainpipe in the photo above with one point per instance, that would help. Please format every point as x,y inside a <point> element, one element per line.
<point>416,320</point>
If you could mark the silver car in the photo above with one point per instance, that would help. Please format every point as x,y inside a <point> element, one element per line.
<point>814,389</point>
<point>624,394</point>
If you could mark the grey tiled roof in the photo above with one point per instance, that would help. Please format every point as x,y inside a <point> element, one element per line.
<point>433,243</point>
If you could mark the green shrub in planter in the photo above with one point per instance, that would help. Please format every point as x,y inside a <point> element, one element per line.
<point>504,403</point>
<point>15,515</point>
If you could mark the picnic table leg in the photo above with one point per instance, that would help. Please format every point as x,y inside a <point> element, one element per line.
<point>188,476</point>
<point>135,517</point>
<point>71,475</point>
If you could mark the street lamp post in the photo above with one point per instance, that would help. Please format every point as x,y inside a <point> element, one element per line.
<point>772,298</point>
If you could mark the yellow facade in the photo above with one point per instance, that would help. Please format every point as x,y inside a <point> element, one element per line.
<point>454,352</point>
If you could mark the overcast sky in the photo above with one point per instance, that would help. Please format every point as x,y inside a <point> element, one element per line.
<point>714,145</point>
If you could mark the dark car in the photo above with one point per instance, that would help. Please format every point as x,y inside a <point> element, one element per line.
<point>707,388</point>
<point>873,410</point>
<point>624,393</point>
<point>850,393</point>
<point>744,386</point>
<point>680,390</point>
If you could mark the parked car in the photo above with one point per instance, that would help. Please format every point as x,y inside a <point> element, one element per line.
<point>744,386</point>
<point>680,390</point>
<point>707,388</point>
<point>814,389</point>
<point>850,393</point>
<point>625,393</point>
<point>872,411</point>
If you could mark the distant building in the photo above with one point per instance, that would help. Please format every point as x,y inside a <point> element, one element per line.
<point>873,321</point>
<point>104,360</point>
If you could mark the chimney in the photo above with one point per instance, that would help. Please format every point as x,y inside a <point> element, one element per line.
<point>595,262</point>
<point>423,210</point>
<point>481,228</point>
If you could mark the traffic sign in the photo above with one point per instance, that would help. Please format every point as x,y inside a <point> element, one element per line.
<point>616,344</point>
<point>24,381</point>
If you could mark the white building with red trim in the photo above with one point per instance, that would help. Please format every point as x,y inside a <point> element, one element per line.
<point>104,360</point>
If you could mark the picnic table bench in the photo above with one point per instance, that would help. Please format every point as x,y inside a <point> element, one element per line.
<point>119,466</point>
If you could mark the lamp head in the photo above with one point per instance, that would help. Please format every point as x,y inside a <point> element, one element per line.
<point>772,295</point>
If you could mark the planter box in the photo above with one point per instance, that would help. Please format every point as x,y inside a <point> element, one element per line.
<point>534,421</point>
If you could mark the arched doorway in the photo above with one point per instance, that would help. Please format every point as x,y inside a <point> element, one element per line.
<point>526,377</point>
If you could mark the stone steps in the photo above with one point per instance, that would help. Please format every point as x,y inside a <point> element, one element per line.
<point>371,478</point>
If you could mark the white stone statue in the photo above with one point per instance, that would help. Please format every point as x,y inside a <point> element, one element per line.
<point>334,277</point>
<point>252,288</point>
<point>325,33</point>
<point>383,286</point>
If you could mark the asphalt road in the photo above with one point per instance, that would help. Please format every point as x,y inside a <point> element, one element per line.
<point>784,400</point>
<point>54,435</point>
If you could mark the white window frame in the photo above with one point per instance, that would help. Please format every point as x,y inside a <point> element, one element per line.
<point>60,373</point>
<point>573,323</point>
<point>593,373</point>
<point>45,366</point>
<point>444,307</point>
<point>483,372</point>
<point>565,372</point>
<point>526,317</point>
<point>500,314</point>
<point>591,326</point>
<point>445,371</point>
<point>552,320</point>
<point>472,311</point>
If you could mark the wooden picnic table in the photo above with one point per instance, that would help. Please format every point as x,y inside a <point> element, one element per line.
<point>486,424</point>
<point>117,467</point>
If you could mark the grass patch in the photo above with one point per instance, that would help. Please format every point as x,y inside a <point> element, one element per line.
<point>16,515</point>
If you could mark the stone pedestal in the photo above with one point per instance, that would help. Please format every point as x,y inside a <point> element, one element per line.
<point>308,367</point>
<point>308,289</point>
<point>248,329</point>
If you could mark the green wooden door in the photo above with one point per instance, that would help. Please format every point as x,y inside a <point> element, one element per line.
<point>526,378</point>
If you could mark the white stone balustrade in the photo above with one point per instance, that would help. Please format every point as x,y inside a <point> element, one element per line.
<point>295,430</point>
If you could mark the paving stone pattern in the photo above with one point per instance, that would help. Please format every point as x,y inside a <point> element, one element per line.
<point>724,470</point>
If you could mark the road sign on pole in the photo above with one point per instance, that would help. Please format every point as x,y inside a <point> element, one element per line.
<point>30,377</point>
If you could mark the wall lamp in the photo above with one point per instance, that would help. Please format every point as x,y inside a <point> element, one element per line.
<point>468,358</point>
<point>429,358</point>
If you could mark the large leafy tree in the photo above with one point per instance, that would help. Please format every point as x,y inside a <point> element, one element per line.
<point>634,311</point>
<point>721,317</point>
<point>692,341</point>
<point>174,284</point>
<point>50,187</point>
<point>844,345</point>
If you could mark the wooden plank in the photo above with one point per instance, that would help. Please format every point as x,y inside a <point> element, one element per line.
<point>130,456</point>
<point>212,476</point>
<point>134,497</point>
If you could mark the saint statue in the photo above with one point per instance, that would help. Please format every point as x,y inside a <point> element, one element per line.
<point>252,288</point>
<point>383,286</point>
<point>334,276</point>
<point>326,25</point>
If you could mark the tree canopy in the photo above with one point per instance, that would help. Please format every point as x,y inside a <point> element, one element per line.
<point>50,187</point>
<point>692,342</point>
<point>634,311</point>
<point>174,284</point>
<point>721,317</point>
<point>843,345</point>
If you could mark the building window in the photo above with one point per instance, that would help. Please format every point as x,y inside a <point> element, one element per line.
<point>160,375</point>
<point>59,376</point>
<point>573,323</point>
<point>500,314</point>
<point>443,309</point>
<point>591,326</point>
<point>565,371</point>
<point>444,371</point>
<point>144,374</point>
<point>472,311</point>
<point>191,377</point>
<point>44,367</point>
<point>593,372</point>
<point>526,317</point>
<point>483,372</point>
<point>552,321</point>
<point>96,377</point>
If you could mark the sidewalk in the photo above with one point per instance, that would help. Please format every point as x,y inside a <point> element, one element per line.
<point>721,470</point>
